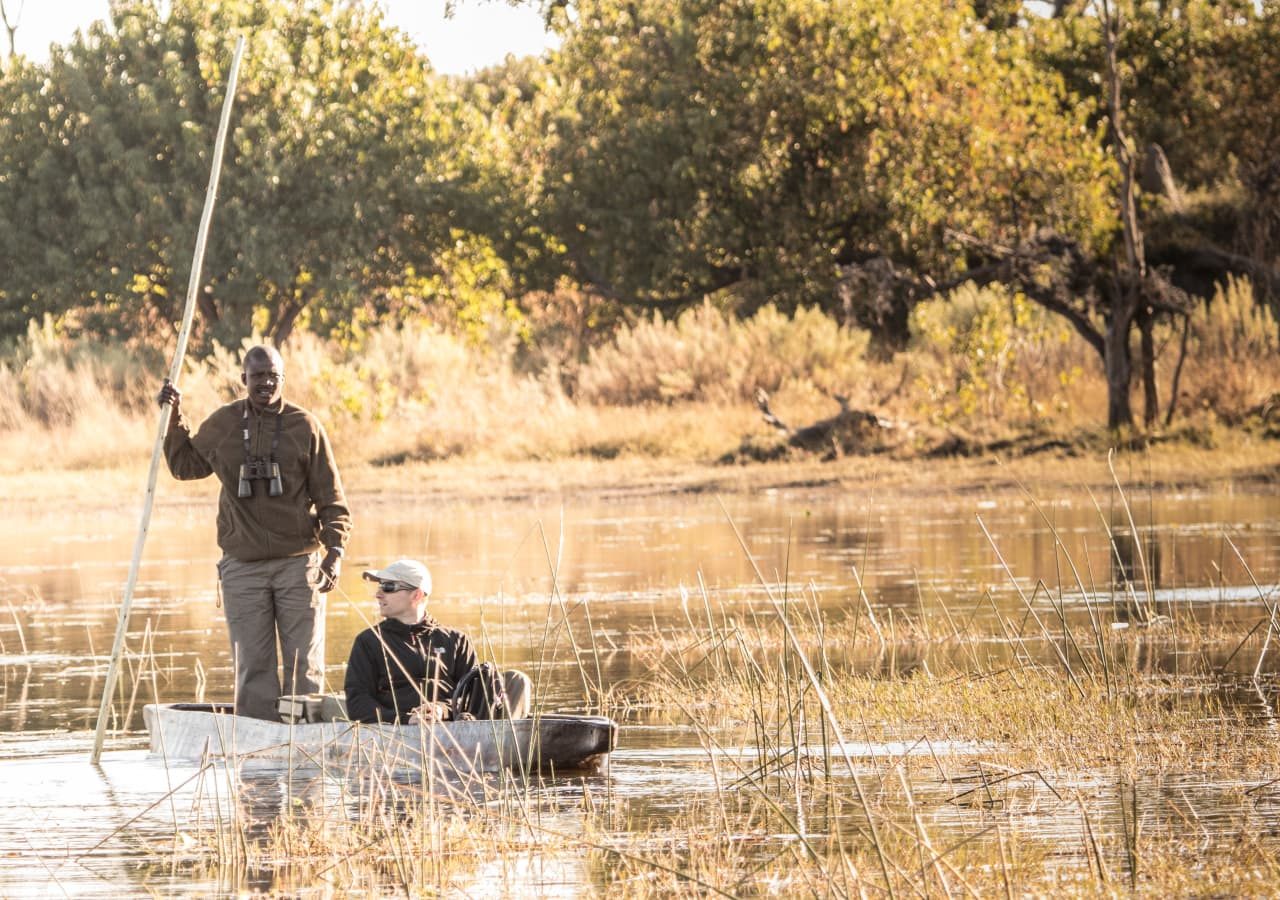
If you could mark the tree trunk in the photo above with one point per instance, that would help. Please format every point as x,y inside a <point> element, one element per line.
<point>1177,371</point>
<point>286,317</point>
<point>1133,270</point>
<point>1118,364</point>
<point>1150,393</point>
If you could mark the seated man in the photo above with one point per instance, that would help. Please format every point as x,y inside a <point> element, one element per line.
<point>404,669</point>
<point>408,668</point>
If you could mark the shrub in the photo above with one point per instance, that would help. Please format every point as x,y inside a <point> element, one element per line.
<point>705,355</point>
<point>405,392</point>
<point>50,380</point>
<point>411,392</point>
<point>987,355</point>
<point>1232,352</point>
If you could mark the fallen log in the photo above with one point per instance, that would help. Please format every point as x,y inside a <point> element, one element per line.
<point>848,431</point>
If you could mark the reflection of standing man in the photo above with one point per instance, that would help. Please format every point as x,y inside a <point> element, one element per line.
<point>281,501</point>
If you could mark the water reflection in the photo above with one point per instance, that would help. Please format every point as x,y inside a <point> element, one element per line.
<point>568,613</point>
<point>501,572</point>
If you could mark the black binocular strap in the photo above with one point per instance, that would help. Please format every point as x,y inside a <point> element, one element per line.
<point>275,440</point>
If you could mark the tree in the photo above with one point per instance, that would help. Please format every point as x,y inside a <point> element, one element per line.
<point>1108,293</point>
<point>1200,81</point>
<point>753,147</point>
<point>1250,77</point>
<point>341,180</point>
<point>515,108</point>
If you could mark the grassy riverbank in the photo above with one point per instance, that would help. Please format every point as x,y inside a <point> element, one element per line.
<point>1248,461</point>
<point>657,404</point>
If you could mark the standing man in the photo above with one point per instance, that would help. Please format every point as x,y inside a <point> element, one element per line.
<point>283,524</point>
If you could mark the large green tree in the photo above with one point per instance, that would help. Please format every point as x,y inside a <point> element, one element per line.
<point>1188,90</point>
<point>1175,54</point>
<point>1249,84</point>
<point>757,146</point>
<point>342,178</point>
<point>1200,80</point>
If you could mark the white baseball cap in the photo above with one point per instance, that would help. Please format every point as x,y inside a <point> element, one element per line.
<point>405,571</point>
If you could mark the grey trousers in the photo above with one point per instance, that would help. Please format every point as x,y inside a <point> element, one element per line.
<point>270,601</point>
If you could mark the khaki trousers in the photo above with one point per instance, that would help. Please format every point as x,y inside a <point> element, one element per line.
<point>269,602</point>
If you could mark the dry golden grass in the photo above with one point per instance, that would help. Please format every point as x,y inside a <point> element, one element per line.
<point>678,393</point>
<point>1012,753</point>
<point>1037,715</point>
<point>1027,778</point>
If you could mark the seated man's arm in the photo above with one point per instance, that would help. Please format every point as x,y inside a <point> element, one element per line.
<point>361,681</point>
<point>464,659</point>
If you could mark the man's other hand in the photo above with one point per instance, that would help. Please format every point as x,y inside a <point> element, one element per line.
<point>169,394</point>
<point>329,569</point>
<point>428,713</point>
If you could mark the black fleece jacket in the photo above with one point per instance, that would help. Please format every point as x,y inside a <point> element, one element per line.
<point>396,667</point>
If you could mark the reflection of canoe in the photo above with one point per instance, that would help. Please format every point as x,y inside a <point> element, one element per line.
<point>191,731</point>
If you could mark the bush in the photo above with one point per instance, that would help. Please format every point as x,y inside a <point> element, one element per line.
<point>1232,353</point>
<point>49,380</point>
<point>704,355</point>
<point>411,392</point>
<point>986,355</point>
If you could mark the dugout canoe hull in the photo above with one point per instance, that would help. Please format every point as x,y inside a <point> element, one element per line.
<point>194,731</point>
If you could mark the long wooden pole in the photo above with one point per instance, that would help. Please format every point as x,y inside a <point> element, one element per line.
<point>193,287</point>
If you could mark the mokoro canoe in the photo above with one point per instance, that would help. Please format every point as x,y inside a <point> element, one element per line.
<point>193,731</point>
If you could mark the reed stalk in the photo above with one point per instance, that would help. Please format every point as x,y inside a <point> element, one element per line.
<point>1066,664</point>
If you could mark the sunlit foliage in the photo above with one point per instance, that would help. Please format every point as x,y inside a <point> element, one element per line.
<point>756,145</point>
<point>341,174</point>
<point>987,354</point>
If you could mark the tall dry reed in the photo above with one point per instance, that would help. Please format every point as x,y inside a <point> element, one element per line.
<point>1233,361</point>
<point>981,361</point>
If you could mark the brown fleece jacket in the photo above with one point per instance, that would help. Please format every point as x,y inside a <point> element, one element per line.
<point>312,512</point>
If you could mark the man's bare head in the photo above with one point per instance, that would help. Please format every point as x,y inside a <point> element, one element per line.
<point>263,375</point>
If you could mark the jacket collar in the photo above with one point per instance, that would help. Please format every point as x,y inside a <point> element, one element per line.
<point>275,408</point>
<point>395,626</point>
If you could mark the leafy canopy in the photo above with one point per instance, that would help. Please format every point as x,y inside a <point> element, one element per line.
<point>343,173</point>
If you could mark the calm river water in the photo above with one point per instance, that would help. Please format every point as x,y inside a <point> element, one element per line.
<point>612,565</point>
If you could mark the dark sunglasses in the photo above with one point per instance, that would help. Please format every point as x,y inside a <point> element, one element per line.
<point>393,587</point>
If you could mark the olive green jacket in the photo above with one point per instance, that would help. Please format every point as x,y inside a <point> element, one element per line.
<point>312,510</point>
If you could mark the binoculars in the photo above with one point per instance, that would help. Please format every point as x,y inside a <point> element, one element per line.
<point>257,468</point>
